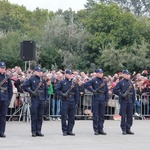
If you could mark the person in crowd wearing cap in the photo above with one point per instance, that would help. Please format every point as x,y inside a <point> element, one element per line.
<point>38,89</point>
<point>6,93</point>
<point>126,92</point>
<point>100,97</point>
<point>69,93</point>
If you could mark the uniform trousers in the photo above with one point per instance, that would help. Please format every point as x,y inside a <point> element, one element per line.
<point>67,113</point>
<point>3,113</point>
<point>37,111</point>
<point>98,109</point>
<point>126,113</point>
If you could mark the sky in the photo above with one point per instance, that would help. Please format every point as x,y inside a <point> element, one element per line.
<point>51,5</point>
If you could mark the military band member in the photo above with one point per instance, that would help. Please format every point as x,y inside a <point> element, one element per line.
<point>126,92</point>
<point>100,97</point>
<point>38,89</point>
<point>6,92</point>
<point>69,93</point>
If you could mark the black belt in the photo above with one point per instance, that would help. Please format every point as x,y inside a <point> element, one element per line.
<point>100,92</point>
<point>3,89</point>
<point>40,91</point>
<point>129,95</point>
<point>71,93</point>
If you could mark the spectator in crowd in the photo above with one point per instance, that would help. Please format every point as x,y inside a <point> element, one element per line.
<point>138,91</point>
<point>55,101</point>
<point>145,98</point>
<point>114,82</point>
<point>87,100</point>
<point>80,108</point>
<point>14,97</point>
<point>47,105</point>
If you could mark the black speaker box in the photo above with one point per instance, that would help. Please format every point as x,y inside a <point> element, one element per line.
<point>27,50</point>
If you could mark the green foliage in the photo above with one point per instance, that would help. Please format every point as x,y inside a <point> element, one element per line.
<point>109,24</point>
<point>10,49</point>
<point>137,7</point>
<point>12,17</point>
<point>134,58</point>
<point>103,35</point>
<point>66,39</point>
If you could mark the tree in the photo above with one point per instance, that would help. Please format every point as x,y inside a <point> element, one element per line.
<point>90,4</point>
<point>134,58</point>
<point>10,49</point>
<point>12,17</point>
<point>63,41</point>
<point>108,24</point>
<point>137,7</point>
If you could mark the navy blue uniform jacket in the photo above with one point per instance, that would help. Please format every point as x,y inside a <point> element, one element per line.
<point>121,87</point>
<point>31,84</point>
<point>6,95</point>
<point>63,87</point>
<point>96,83</point>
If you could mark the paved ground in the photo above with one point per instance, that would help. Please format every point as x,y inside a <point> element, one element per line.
<point>19,137</point>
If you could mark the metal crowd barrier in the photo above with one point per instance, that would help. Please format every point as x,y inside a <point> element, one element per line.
<point>144,102</point>
<point>84,110</point>
<point>20,108</point>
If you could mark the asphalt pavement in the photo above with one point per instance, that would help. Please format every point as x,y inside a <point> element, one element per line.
<point>18,137</point>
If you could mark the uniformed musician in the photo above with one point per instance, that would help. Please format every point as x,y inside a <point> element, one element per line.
<point>69,92</point>
<point>98,87</point>
<point>6,92</point>
<point>126,92</point>
<point>38,90</point>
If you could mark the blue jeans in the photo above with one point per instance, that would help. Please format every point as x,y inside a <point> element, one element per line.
<point>138,106</point>
<point>55,108</point>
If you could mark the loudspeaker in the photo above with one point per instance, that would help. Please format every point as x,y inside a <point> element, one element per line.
<point>27,50</point>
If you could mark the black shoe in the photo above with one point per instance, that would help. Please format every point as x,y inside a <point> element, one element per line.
<point>33,135</point>
<point>130,132</point>
<point>64,134</point>
<point>2,135</point>
<point>39,134</point>
<point>102,132</point>
<point>96,133</point>
<point>70,133</point>
<point>124,132</point>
